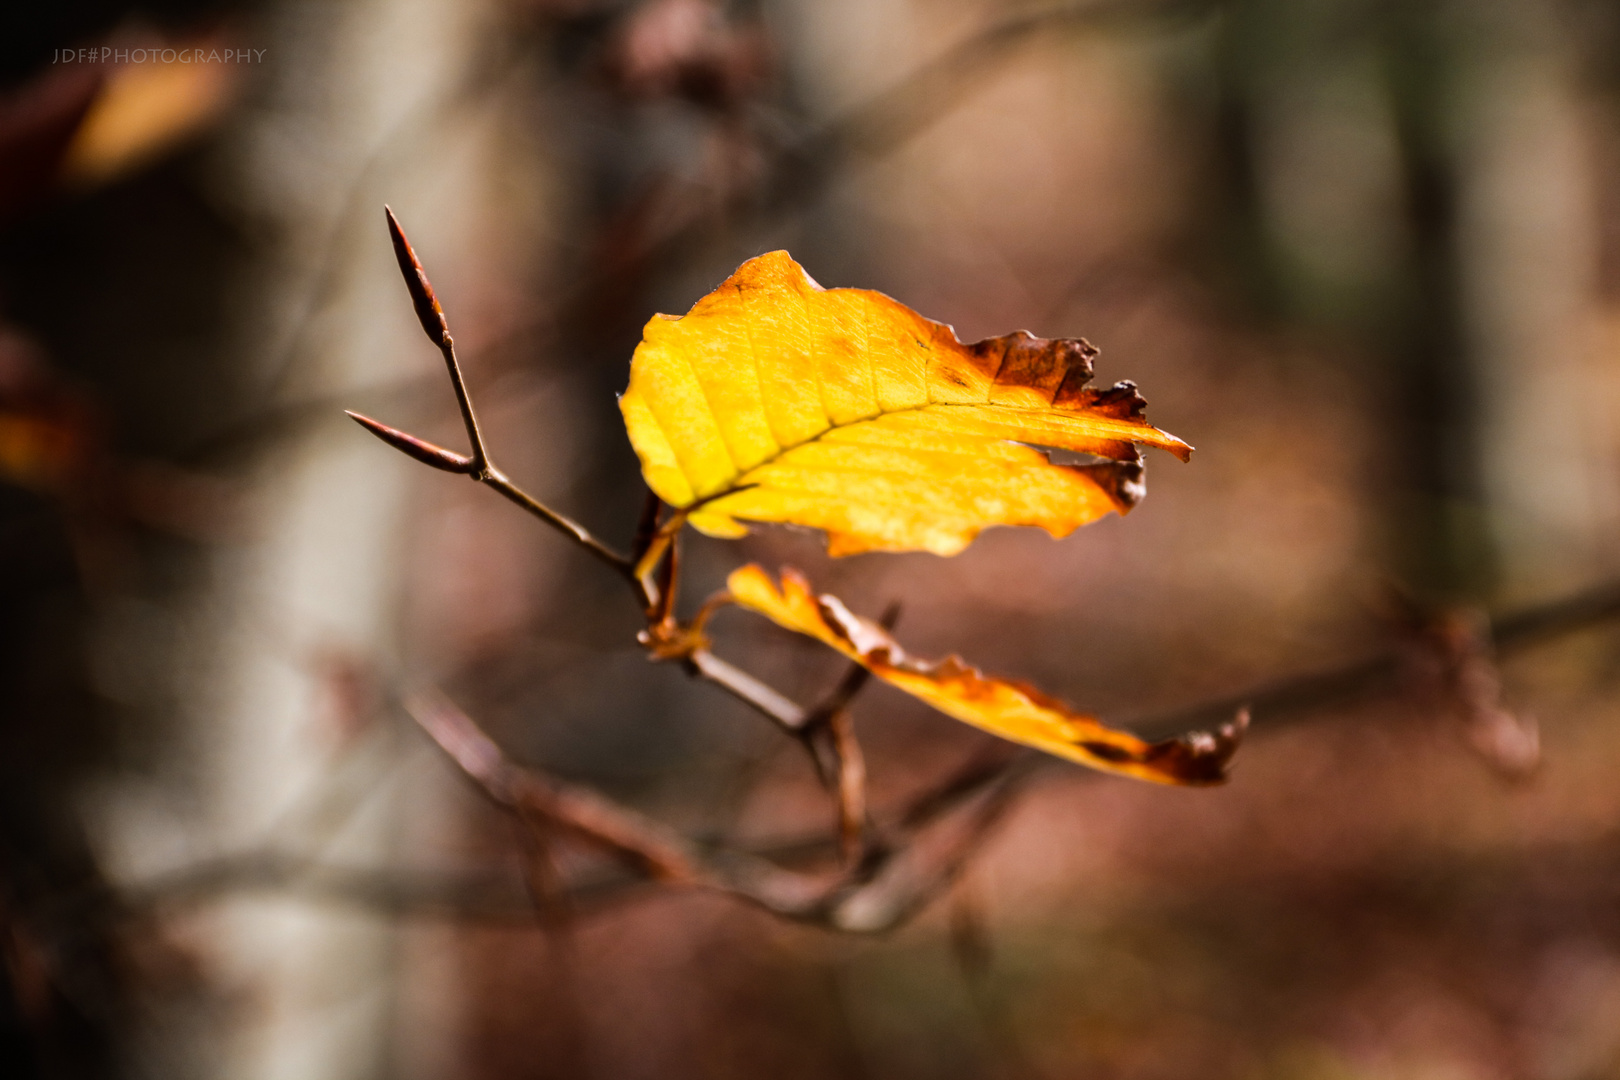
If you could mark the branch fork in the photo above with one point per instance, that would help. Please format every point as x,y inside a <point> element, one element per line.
<point>477,464</point>
<point>881,888</point>
<point>853,900</point>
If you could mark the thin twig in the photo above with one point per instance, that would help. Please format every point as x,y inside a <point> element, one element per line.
<point>828,735</point>
<point>772,704</point>
<point>431,316</point>
<point>646,525</point>
<point>935,87</point>
<point>804,166</point>
<point>653,569</point>
<point>573,529</point>
<point>871,127</point>
<point>997,769</point>
<point>986,767</point>
<point>1289,700</point>
<point>641,843</point>
<point>478,464</point>
<point>854,681</point>
<point>541,875</point>
<point>781,710</point>
<point>851,784</point>
<point>878,892</point>
<point>657,549</point>
<point>1282,700</point>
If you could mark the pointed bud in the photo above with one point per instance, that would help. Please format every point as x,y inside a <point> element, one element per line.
<point>427,305</point>
<point>425,452</point>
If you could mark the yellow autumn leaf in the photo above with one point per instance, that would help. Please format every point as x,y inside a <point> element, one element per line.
<point>841,409</point>
<point>1010,709</point>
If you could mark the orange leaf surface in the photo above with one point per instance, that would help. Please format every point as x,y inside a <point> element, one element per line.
<point>1012,710</point>
<point>846,411</point>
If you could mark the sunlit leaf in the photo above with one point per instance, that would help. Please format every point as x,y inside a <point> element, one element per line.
<point>1012,710</point>
<point>844,410</point>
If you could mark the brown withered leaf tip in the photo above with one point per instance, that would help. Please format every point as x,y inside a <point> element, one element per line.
<point>1011,709</point>
<point>1061,370</point>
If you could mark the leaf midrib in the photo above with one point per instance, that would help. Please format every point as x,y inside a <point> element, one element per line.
<point>742,474</point>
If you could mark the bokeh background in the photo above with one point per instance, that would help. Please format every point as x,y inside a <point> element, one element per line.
<point>1364,254</point>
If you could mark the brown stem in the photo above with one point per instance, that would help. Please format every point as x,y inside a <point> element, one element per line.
<point>669,578</point>
<point>654,569</point>
<point>787,715</point>
<point>992,777</point>
<point>478,465</point>
<point>541,874</point>
<point>639,842</point>
<point>875,894</point>
<point>1293,697</point>
<point>984,769</point>
<point>934,89</point>
<point>851,785</point>
<point>661,541</point>
<point>828,735</point>
<point>647,524</point>
<point>854,681</point>
<point>435,326</point>
<point>566,525</point>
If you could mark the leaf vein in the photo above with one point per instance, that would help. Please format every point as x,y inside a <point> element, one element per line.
<point>714,414</point>
<point>759,371</point>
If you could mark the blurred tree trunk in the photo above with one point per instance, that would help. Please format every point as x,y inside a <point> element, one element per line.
<point>365,103</point>
<point>1447,306</point>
